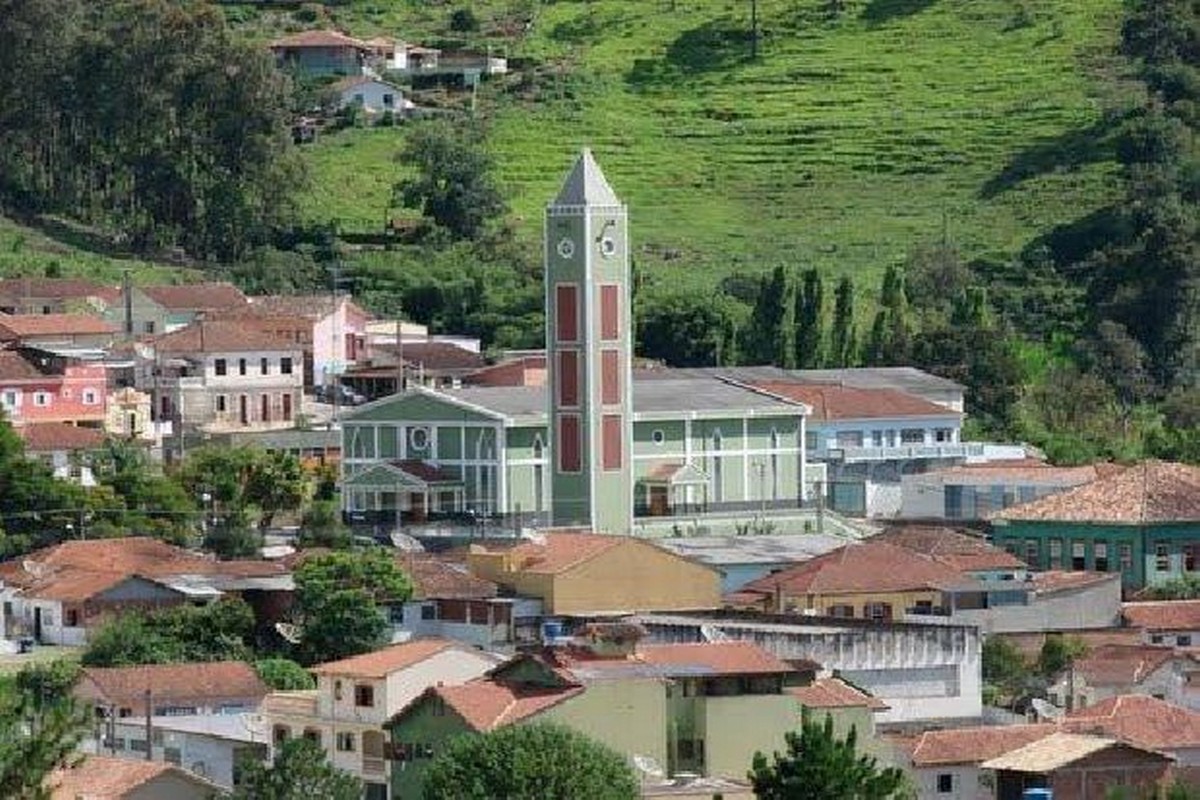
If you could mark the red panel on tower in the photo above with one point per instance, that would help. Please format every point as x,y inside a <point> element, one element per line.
<point>610,312</point>
<point>568,378</point>
<point>611,438</point>
<point>566,312</point>
<point>568,444</point>
<point>610,377</point>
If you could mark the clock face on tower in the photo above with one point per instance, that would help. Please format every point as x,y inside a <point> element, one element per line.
<point>566,247</point>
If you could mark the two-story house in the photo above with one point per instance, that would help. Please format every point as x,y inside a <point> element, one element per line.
<point>691,708</point>
<point>154,310</point>
<point>38,386</point>
<point>222,375</point>
<point>356,696</point>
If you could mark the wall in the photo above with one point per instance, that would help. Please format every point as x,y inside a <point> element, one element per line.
<point>371,96</point>
<point>967,782</point>
<point>737,727</point>
<point>1090,607</point>
<point>899,601</point>
<point>628,715</point>
<point>211,757</point>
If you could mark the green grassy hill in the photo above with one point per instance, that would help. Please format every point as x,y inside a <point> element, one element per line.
<point>847,142</point>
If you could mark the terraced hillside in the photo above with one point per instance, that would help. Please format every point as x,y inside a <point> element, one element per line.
<point>850,139</point>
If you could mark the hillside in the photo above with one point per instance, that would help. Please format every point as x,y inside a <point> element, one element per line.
<point>846,143</point>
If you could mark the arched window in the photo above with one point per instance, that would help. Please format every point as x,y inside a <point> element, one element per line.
<point>718,474</point>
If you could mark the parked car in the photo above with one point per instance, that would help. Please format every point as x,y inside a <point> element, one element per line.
<point>340,393</point>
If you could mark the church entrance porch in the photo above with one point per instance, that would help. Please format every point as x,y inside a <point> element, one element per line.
<point>406,492</point>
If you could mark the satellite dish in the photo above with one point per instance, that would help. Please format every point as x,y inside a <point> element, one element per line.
<point>648,766</point>
<point>288,631</point>
<point>1045,709</point>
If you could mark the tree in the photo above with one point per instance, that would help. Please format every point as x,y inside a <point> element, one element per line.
<point>1059,652</point>
<point>890,340</point>
<point>219,631</point>
<point>284,675</point>
<point>35,507</point>
<point>771,334</point>
<point>40,726</point>
<point>245,482</point>
<point>452,181</point>
<point>688,329</point>
<point>299,771</point>
<point>339,597</point>
<point>818,766</point>
<point>1004,667</point>
<point>810,321</point>
<point>843,338</point>
<point>529,762</point>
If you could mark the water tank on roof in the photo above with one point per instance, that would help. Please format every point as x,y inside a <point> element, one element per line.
<point>552,630</point>
<point>1037,794</point>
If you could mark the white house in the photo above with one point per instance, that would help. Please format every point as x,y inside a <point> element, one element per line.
<point>1115,669</point>
<point>354,697</point>
<point>372,95</point>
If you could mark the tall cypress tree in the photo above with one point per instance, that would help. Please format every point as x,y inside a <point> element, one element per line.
<point>843,338</point>
<point>890,341</point>
<point>810,321</point>
<point>785,337</point>
<point>771,332</point>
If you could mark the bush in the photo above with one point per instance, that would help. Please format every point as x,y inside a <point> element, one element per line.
<point>463,20</point>
<point>284,675</point>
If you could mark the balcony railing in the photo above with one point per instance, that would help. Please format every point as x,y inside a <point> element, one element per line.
<point>904,452</point>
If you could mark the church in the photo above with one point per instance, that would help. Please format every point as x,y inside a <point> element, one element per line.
<point>599,447</point>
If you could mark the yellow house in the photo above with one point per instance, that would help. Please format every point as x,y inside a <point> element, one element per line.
<point>869,580</point>
<point>584,573</point>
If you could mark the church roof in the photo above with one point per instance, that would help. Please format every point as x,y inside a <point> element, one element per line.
<point>586,185</point>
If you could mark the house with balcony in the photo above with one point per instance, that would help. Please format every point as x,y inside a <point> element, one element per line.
<point>32,295</point>
<point>1141,522</point>
<point>355,697</point>
<point>689,709</point>
<point>39,386</point>
<point>157,309</point>
<point>223,375</point>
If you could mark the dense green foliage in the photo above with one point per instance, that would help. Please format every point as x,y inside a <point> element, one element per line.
<point>299,771</point>
<point>340,597</point>
<point>40,725</point>
<point>193,152</point>
<point>219,631</point>
<point>818,765</point>
<point>35,508</point>
<point>529,762</point>
<point>284,675</point>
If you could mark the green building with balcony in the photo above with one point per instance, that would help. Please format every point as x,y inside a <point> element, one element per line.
<point>1143,522</point>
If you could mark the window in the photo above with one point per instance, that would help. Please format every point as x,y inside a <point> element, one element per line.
<point>280,734</point>
<point>222,403</point>
<point>364,696</point>
<point>148,326</point>
<point>1032,552</point>
<point>286,403</point>
<point>843,611</point>
<point>1162,557</point>
<point>1078,555</point>
<point>610,312</point>
<point>945,782</point>
<point>877,611</point>
<point>11,398</point>
<point>389,100</point>
<point>241,366</point>
<point>611,435</point>
<point>610,377</point>
<point>810,440</point>
<point>220,367</point>
<point>568,378</point>
<point>429,612</point>
<point>1125,553</point>
<point>264,402</point>
<point>1100,556</point>
<point>912,436</point>
<point>657,436</point>
<point>345,742</point>
<point>943,435</point>
<point>1189,557</point>
<point>1184,640</point>
<point>41,399</point>
<point>359,99</point>
<point>313,735</point>
<point>568,444</point>
<point>89,397</point>
<point>1156,638</point>
<point>566,316</point>
<point>954,502</point>
<point>263,366</point>
<point>139,745</point>
<point>337,690</point>
<point>1056,554</point>
<point>285,366</point>
<point>876,438</point>
<point>418,439</point>
<point>849,439</point>
<point>71,618</point>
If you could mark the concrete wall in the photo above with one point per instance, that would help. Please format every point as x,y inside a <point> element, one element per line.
<point>1091,607</point>
<point>210,757</point>
<point>967,782</point>
<point>630,716</point>
<point>735,728</point>
<point>635,576</point>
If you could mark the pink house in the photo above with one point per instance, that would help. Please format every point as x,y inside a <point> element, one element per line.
<point>38,386</point>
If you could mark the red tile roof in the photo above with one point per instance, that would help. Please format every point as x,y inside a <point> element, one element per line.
<point>1163,615</point>
<point>957,549</point>
<point>44,437</point>
<point>866,566</point>
<point>109,778</point>
<point>438,577</point>
<point>1030,470</point>
<point>221,336</point>
<point>14,367</point>
<point>1140,720</point>
<point>195,296</point>
<point>381,663</point>
<point>1124,665</point>
<point>834,402</point>
<point>487,705</point>
<point>559,552</point>
<point>1152,491</point>
<point>73,585</point>
<point>170,684</point>
<point>439,356</point>
<point>57,288</point>
<point>974,745</point>
<point>20,326</point>
<point>1065,580</point>
<point>319,39</point>
<point>834,693</point>
<point>426,472</point>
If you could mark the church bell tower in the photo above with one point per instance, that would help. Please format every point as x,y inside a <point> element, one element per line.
<point>589,353</point>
